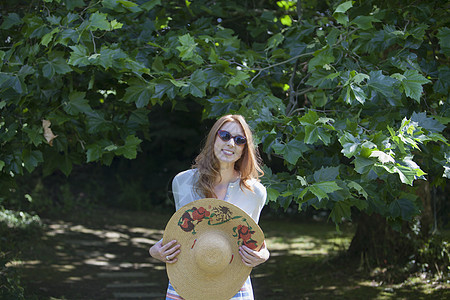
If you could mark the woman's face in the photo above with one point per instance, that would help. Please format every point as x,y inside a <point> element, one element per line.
<point>228,152</point>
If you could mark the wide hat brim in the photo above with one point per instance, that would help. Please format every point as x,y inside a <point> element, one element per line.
<point>210,232</point>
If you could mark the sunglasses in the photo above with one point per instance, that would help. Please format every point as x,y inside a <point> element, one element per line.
<point>226,136</point>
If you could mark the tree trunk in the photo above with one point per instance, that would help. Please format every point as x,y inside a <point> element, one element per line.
<point>427,216</point>
<point>377,244</point>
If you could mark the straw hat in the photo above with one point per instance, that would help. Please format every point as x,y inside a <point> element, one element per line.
<point>210,232</point>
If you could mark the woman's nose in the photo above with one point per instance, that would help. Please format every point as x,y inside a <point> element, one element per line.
<point>231,142</point>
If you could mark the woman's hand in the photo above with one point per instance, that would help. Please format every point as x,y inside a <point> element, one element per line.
<point>252,258</point>
<point>166,253</point>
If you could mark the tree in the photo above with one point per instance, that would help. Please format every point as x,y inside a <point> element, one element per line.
<point>353,96</point>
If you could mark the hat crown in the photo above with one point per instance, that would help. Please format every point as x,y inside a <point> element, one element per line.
<point>212,252</point>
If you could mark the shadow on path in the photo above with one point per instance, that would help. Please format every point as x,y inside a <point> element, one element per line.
<point>104,255</point>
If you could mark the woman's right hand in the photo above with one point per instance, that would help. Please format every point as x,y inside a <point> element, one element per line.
<point>166,253</point>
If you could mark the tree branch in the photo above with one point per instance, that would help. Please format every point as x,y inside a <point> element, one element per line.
<point>278,64</point>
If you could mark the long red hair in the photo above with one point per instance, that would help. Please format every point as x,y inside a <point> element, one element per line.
<point>207,163</point>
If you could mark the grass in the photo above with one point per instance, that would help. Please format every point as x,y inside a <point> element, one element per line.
<point>78,255</point>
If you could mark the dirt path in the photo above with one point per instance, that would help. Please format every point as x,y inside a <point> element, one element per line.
<point>103,254</point>
<point>96,258</point>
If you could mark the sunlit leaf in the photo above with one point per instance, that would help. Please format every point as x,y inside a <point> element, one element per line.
<point>412,84</point>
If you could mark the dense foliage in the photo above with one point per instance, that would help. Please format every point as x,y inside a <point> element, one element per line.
<point>353,96</point>
<point>349,101</point>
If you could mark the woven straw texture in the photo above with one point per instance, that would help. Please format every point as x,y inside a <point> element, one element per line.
<point>210,232</point>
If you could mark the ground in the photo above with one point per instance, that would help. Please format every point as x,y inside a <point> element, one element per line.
<point>103,254</point>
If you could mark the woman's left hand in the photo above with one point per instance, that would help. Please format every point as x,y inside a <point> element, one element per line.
<point>252,258</point>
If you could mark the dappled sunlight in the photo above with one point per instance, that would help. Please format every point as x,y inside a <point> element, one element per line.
<point>23,263</point>
<point>62,268</point>
<point>308,245</point>
<point>107,261</point>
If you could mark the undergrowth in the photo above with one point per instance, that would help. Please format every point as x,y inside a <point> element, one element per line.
<point>16,230</point>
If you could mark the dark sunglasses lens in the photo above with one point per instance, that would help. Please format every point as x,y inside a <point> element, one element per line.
<point>240,140</point>
<point>224,135</point>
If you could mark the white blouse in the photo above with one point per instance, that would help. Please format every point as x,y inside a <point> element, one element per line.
<point>183,188</point>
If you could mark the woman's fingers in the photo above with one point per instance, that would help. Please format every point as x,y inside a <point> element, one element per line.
<point>168,245</point>
<point>169,251</point>
<point>172,257</point>
<point>172,252</point>
<point>252,258</point>
<point>248,256</point>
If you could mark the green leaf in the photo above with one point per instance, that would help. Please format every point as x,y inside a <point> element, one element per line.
<point>138,118</point>
<point>310,118</point>
<point>326,174</point>
<point>322,189</point>
<point>428,123</point>
<point>341,18</point>
<point>71,4</point>
<point>164,88</point>
<point>364,22</point>
<point>333,36</point>
<point>197,85</point>
<point>294,150</point>
<point>403,208</point>
<point>363,165</point>
<point>358,188</point>
<point>8,81</point>
<point>11,20</point>
<point>31,159</point>
<point>349,144</point>
<point>98,21</point>
<point>382,85</point>
<point>339,13</point>
<point>382,157</point>
<point>291,151</point>
<point>274,41</point>
<point>2,165</point>
<point>150,4</point>
<point>57,65</point>
<point>444,40</point>
<point>342,8</point>
<point>139,92</point>
<point>321,57</point>
<point>65,164</point>
<point>47,38</point>
<point>188,48</point>
<point>412,84</point>
<point>35,134</point>
<point>97,123</point>
<point>126,3</point>
<point>407,175</point>
<point>272,194</point>
<point>286,20</point>
<point>93,153</point>
<point>240,76</point>
<point>79,56</point>
<point>341,209</point>
<point>353,93</point>
<point>129,150</point>
<point>77,103</point>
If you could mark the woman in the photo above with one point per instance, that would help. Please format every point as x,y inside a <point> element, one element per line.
<point>228,169</point>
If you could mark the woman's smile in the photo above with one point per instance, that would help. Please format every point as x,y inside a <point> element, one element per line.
<point>228,152</point>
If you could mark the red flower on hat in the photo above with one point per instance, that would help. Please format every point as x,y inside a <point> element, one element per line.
<point>186,222</point>
<point>200,213</point>
<point>244,233</point>
<point>251,244</point>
